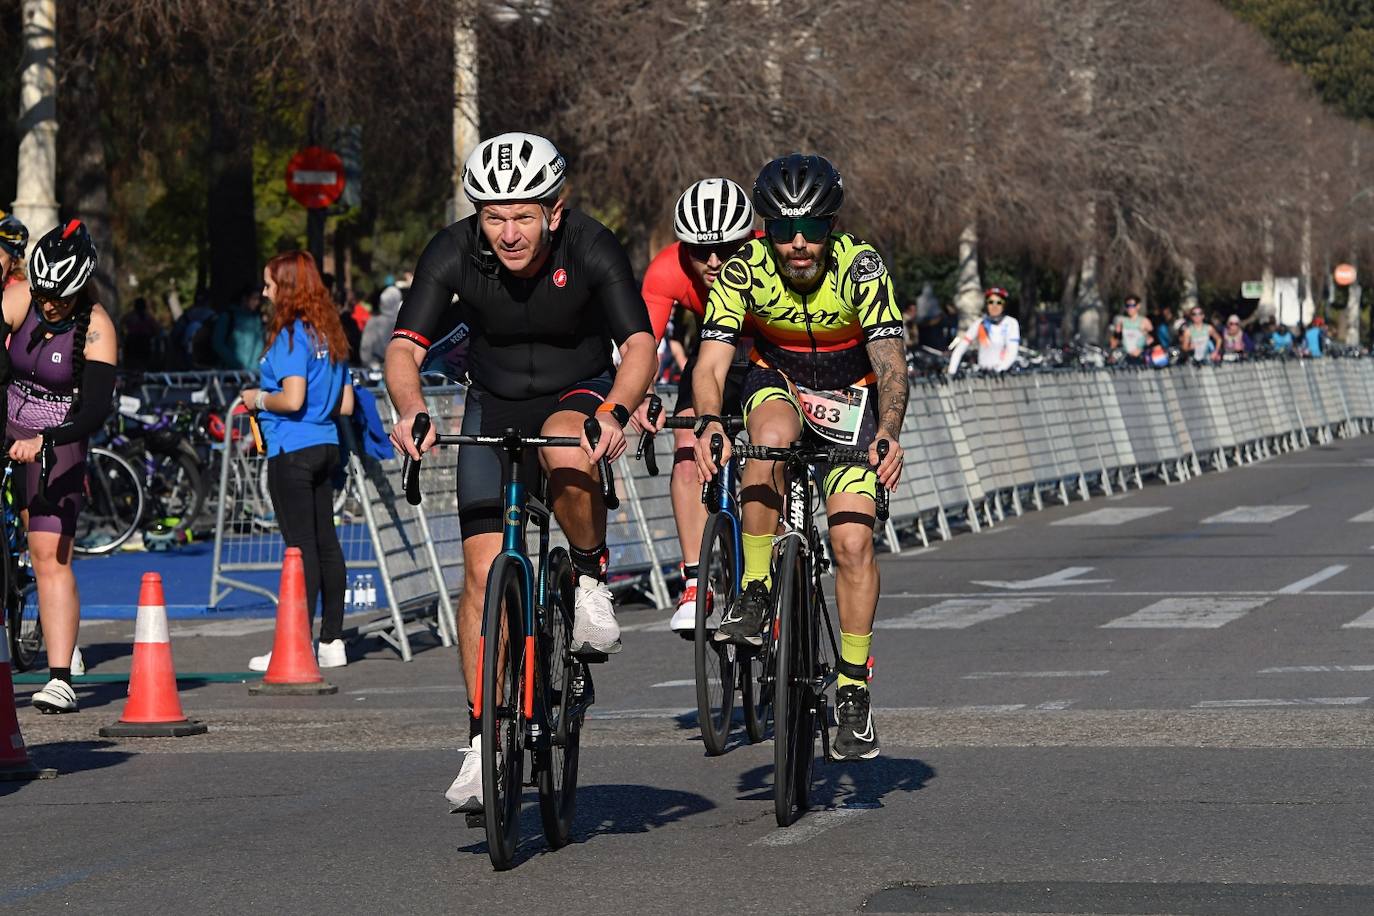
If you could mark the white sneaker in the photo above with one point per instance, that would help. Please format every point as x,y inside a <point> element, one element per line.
<point>594,626</point>
<point>56,696</point>
<point>331,654</point>
<point>259,662</point>
<point>465,794</point>
<point>78,663</point>
<point>685,617</point>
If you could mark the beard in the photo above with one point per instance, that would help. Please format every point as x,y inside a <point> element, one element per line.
<point>801,276</point>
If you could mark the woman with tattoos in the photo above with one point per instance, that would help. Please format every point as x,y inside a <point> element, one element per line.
<point>62,352</point>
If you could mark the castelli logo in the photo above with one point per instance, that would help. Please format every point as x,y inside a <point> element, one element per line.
<point>560,278</point>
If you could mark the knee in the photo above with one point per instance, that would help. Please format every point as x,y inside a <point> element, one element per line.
<point>773,435</point>
<point>853,550</point>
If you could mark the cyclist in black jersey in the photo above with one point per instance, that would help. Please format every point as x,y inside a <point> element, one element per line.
<point>829,365</point>
<point>546,293</point>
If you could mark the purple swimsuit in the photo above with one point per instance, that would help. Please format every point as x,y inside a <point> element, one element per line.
<point>40,397</point>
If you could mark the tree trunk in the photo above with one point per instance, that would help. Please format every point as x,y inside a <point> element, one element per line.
<point>1267,308</point>
<point>232,227</point>
<point>1089,295</point>
<point>1188,267</point>
<point>1068,318</point>
<point>466,123</point>
<point>968,295</point>
<point>35,200</point>
<point>1353,294</point>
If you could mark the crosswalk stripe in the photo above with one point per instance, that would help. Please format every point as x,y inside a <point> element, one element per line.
<point>1111,516</point>
<point>1303,585</point>
<point>1363,622</point>
<point>1188,613</point>
<point>1252,515</point>
<point>1364,517</point>
<point>959,613</point>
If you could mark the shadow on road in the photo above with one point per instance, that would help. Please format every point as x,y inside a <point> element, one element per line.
<point>854,783</point>
<point>606,810</point>
<point>70,757</point>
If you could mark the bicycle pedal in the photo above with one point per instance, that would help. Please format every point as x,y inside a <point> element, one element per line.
<point>591,657</point>
<point>476,819</point>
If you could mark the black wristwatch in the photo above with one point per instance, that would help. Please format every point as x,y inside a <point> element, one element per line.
<point>621,414</point>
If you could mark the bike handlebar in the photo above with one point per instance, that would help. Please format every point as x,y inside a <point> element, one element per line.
<point>410,467</point>
<point>825,454</point>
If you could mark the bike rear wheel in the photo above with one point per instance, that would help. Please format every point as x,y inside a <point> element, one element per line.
<point>715,661</point>
<point>503,753</point>
<point>176,487</point>
<point>794,722</point>
<point>756,691</point>
<point>22,623</point>
<point>558,763</point>
<point>114,503</point>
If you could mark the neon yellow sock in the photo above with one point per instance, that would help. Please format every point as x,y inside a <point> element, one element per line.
<point>854,650</point>
<point>758,559</point>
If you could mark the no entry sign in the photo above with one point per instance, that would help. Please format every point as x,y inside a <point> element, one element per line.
<point>315,177</point>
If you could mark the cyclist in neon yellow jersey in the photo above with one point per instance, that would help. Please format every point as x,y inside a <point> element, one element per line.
<point>829,364</point>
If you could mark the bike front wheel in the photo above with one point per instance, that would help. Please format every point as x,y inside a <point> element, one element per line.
<point>503,753</point>
<point>716,662</point>
<point>114,503</point>
<point>21,615</point>
<point>557,670</point>
<point>794,718</point>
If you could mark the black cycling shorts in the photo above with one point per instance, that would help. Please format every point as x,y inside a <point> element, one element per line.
<point>480,469</point>
<point>730,405</point>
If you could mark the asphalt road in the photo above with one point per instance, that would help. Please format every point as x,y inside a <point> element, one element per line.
<point>1152,703</point>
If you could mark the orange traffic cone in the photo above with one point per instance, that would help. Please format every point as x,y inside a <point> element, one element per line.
<point>293,669</point>
<point>14,757</point>
<point>154,709</point>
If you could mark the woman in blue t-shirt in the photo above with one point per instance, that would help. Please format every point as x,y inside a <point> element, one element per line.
<point>304,387</point>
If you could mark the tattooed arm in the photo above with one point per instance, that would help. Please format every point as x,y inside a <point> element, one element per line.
<point>888,357</point>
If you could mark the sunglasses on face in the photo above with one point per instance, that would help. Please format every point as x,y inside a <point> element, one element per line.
<point>1132,305</point>
<point>995,301</point>
<point>812,228</point>
<point>722,250</point>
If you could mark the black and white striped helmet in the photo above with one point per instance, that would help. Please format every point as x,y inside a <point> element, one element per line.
<point>713,210</point>
<point>513,167</point>
<point>62,261</point>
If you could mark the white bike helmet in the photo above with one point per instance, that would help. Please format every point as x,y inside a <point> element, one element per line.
<point>713,210</point>
<point>513,167</point>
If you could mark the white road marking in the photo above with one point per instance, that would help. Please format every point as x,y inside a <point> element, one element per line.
<point>640,713</point>
<point>1364,517</point>
<point>1111,516</point>
<point>981,675</point>
<point>1310,701</point>
<point>390,691</point>
<point>1177,592</point>
<point>1303,585</point>
<point>1055,705</point>
<point>1063,577</point>
<point>813,825</point>
<point>1188,613</point>
<point>1363,622</point>
<point>1315,669</point>
<point>959,613</point>
<point>685,682</point>
<point>1252,515</point>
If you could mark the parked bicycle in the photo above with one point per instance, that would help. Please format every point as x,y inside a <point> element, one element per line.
<point>532,692</point>
<point>17,583</point>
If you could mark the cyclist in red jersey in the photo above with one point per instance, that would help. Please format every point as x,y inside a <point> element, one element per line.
<point>712,219</point>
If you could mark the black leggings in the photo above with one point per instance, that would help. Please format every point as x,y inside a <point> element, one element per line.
<point>302,490</point>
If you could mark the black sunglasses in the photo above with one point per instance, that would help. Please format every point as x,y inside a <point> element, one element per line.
<point>812,228</point>
<point>723,250</point>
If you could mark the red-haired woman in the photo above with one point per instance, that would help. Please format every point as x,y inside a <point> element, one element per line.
<point>304,385</point>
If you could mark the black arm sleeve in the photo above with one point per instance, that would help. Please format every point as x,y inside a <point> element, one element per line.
<point>616,288</point>
<point>97,396</point>
<point>427,315</point>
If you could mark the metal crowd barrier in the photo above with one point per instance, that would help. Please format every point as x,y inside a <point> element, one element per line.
<point>976,450</point>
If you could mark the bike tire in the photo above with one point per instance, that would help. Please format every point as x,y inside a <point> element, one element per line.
<point>177,488</point>
<point>22,623</point>
<point>715,662</point>
<point>558,762</point>
<point>114,503</point>
<point>794,722</point>
<point>756,692</point>
<point>503,755</point>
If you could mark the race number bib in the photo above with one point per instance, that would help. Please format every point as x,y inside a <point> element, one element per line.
<point>836,415</point>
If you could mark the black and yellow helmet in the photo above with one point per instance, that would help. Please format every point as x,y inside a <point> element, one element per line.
<point>14,235</point>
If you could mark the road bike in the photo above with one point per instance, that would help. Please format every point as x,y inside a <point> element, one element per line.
<point>531,691</point>
<point>800,646</point>
<point>17,583</point>
<point>720,668</point>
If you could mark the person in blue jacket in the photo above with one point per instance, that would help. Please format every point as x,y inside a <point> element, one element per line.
<point>304,386</point>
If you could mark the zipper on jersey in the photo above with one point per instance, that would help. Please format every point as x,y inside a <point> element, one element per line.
<point>815,355</point>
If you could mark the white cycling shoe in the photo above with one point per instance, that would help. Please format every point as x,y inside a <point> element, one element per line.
<point>684,619</point>
<point>465,794</point>
<point>594,625</point>
<point>55,697</point>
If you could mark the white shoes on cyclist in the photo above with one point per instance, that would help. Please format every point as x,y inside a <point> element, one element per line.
<point>685,617</point>
<point>594,625</point>
<point>465,794</point>
<point>78,664</point>
<point>327,655</point>
<point>55,697</point>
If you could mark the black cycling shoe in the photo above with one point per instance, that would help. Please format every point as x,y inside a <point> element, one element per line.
<point>855,736</point>
<point>743,621</point>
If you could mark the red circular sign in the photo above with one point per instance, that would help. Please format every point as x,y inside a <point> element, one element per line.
<point>315,177</point>
<point>1344,274</point>
<point>560,278</point>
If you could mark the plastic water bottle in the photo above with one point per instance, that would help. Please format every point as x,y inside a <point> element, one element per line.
<point>353,594</point>
<point>369,592</point>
